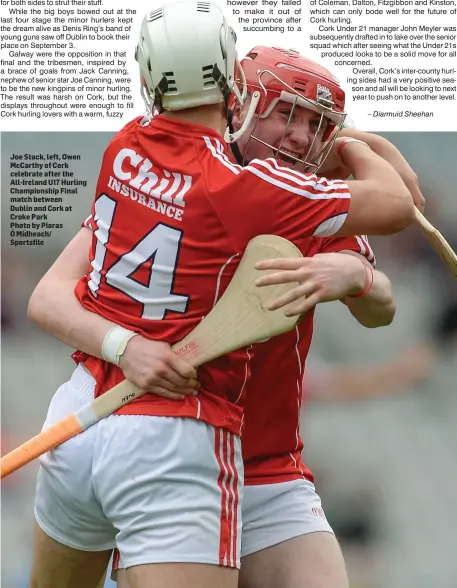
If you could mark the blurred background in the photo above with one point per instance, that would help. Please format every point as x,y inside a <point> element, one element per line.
<point>380,411</point>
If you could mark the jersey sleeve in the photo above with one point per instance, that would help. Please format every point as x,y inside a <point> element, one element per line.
<point>358,244</point>
<point>296,205</point>
<point>264,197</point>
<point>88,223</point>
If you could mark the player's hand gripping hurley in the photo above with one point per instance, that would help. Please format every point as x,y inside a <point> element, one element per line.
<point>239,318</point>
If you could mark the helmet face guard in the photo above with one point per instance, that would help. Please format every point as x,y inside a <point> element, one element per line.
<point>285,76</point>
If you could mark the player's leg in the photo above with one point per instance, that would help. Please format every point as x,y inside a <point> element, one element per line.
<point>73,539</point>
<point>172,487</point>
<point>56,565</point>
<point>179,575</point>
<point>309,561</point>
<point>287,541</point>
<point>163,575</point>
<point>122,579</point>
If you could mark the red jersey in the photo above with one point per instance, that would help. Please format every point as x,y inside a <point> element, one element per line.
<point>171,218</point>
<point>272,446</point>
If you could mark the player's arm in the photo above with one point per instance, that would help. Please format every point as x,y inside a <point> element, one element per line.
<point>322,278</point>
<point>380,202</point>
<point>151,365</point>
<point>296,206</point>
<point>330,276</point>
<point>377,307</point>
<point>392,155</point>
<point>54,310</point>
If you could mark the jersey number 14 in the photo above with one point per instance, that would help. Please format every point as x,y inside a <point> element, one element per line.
<point>160,247</point>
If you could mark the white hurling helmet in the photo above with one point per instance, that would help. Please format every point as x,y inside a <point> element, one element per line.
<point>187,56</point>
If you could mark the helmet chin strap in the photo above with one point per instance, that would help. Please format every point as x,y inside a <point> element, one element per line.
<point>231,137</point>
<point>234,146</point>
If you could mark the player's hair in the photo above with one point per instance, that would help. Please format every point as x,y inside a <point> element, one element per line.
<point>187,57</point>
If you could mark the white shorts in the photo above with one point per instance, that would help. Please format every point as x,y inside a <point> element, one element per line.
<point>273,513</point>
<point>161,489</point>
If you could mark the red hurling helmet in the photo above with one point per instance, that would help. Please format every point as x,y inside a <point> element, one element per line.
<point>285,75</point>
